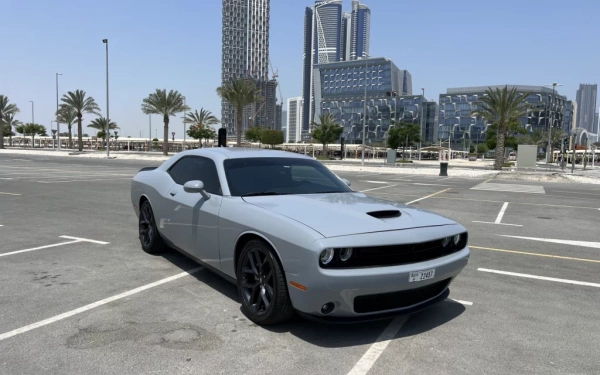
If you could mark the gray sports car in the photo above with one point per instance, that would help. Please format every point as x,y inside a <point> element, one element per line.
<point>294,237</point>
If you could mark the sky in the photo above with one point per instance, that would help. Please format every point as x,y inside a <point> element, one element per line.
<point>176,44</point>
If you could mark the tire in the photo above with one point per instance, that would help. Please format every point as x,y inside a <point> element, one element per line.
<point>149,237</point>
<point>261,285</point>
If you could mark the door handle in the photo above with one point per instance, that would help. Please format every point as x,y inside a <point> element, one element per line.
<point>173,193</point>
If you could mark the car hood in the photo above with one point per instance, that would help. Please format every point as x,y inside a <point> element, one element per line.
<point>341,214</point>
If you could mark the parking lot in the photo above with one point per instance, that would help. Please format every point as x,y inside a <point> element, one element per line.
<point>79,296</point>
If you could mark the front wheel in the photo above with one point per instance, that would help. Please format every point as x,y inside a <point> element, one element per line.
<point>149,237</point>
<point>261,285</point>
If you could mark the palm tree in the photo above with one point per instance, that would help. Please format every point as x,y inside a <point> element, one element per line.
<point>167,105</point>
<point>239,93</point>
<point>100,124</point>
<point>67,115</point>
<point>203,118</point>
<point>6,109</point>
<point>78,103</point>
<point>327,131</point>
<point>8,121</point>
<point>501,107</point>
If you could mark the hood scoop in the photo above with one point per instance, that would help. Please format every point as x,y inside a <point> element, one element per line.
<point>386,214</point>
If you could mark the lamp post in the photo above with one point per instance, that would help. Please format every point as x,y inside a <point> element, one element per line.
<point>57,120</point>
<point>548,148</point>
<point>149,132</point>
<point>365,112</point>
<point>32,122</point>
<point>105,41</point>
<point>183,117</point>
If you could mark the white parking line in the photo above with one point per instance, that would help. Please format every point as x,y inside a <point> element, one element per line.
<point>85,308</point>
<point>584,283</point>
<point>74,240</point>
<point>499,218</point>
<point>377,188</point>
<point>375,182</point>
<point>429,196</point>
<point>466,303</point>
<point>594,245</point>
<point>39,248</point>
<point>85,240</point>
<point>370,357</point>
<point>97,179</point>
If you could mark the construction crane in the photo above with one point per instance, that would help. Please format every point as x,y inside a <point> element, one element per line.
<point>275,76</point>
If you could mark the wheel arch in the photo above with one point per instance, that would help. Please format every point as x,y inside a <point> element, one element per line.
<point>248,236</point>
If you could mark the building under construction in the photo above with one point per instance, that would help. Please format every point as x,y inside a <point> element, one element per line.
<point>245,54</point>
<point>266,113</point>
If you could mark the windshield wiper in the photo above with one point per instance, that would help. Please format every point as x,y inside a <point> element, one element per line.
<point>261,193</point>
<point>328,192</point>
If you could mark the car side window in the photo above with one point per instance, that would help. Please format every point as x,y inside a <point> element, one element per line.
<point>192,168</point>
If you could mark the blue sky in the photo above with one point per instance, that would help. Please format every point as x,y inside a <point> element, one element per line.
<point>177,45</point>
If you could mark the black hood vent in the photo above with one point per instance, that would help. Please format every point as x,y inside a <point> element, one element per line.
<point>387,214</point>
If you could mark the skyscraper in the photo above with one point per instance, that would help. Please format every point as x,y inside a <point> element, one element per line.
<point>361,29</point>
<point>245,54</point>
<point>586,106</point>
<point>330,35</point>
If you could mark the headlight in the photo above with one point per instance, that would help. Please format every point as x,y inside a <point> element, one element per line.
<point>456,239</point>
<point>345,254</point>
<point>446,241</point>
<point>327,256</point>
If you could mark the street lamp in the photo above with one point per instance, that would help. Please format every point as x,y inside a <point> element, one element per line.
<point>365,111</point>
<point>32,122</point>
<point>548,148</point>
<point>105,41</point>
<point>57,122</point>
<point>183,117</point>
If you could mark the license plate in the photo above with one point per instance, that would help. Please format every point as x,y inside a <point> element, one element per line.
<point>421,275</point>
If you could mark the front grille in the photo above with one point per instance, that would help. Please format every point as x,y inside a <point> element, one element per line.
<point>395,255</point>
<point>396,300</point>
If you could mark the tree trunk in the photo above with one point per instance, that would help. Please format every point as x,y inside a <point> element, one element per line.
<point>79,133</point>
<point>70,137</point>
<point>325,150</point>
<point>2,132</point>
<point>238,126</point>
<point>500,137</point>
<point>166,136</point>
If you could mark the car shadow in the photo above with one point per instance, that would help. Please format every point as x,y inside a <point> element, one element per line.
<point>330,335</point>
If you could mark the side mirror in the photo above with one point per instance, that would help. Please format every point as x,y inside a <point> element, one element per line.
<point>196,186</point>
<point>346,181</point>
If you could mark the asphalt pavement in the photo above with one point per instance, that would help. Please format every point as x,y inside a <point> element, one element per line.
<point>78,295</point>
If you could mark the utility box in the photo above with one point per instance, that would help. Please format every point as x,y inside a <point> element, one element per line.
<point>527,156</point>
<point>391,156</point>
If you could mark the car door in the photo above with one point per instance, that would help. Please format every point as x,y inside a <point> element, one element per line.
<point>192,221</point>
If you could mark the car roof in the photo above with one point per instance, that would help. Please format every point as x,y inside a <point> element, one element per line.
<point>243,152</point>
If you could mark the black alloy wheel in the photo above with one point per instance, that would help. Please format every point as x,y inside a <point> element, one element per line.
<point>261,284</point>
<point>149,236</point>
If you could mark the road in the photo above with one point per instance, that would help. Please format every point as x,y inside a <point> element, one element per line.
<point>78,295</point>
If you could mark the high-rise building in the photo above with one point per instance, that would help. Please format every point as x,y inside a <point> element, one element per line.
<point>569,114</point>
<point>340,91</point>
<point>293,131</point>
<point>361,29</point>
<point>457,123</point>
<point>245,54</point>
<point>586,106</point>
<point>330,36</point>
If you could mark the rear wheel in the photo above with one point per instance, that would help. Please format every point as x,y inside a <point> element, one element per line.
<point>261,285</point>
<point>149,236</point>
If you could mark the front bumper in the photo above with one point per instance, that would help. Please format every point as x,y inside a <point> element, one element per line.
<point>342,286</point>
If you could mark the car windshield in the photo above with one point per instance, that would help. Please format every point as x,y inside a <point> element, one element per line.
<point>278,176</point>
